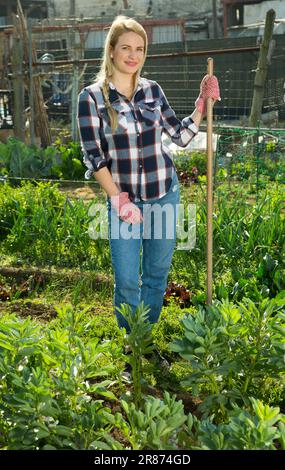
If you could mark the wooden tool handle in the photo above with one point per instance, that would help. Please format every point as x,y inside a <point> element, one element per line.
<point>210,67</point>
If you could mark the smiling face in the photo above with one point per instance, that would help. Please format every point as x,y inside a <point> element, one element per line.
<point>128,53</point>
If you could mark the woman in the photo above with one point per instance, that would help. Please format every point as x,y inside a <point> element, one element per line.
<point>121,119</point>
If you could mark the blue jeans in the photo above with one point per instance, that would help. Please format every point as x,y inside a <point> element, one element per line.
<point>149,249</point>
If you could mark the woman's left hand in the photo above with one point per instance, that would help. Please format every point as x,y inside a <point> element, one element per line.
<point>209,88</point>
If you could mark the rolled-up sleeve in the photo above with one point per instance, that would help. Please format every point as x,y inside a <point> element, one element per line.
<point>89,125</point>
<point>180,132</point>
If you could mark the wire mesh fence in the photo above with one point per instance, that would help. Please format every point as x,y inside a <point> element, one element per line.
<point>66,63</point>
<point>235,64</point>
<point>180,81</point>
<point>252,156</point>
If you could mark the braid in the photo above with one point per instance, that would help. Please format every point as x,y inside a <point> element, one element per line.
<point>111,111</point>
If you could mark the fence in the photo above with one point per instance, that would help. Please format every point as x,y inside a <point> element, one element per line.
<point>66,64</point>
<point>254,157</point>
<point>180,77</point>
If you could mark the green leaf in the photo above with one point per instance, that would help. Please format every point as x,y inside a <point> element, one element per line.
<point>6,345</point>
<point>199,350</point>
<point>64,431</point>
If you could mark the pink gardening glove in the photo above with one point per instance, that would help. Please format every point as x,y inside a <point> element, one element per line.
<point>126,210</point>
<point>209,88</point>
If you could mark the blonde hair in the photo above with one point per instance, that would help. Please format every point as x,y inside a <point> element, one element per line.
<point>121,24</point>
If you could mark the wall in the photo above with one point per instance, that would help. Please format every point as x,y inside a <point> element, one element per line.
<point>158,8</point>
<point>255,13</point>
<point>108,9</point>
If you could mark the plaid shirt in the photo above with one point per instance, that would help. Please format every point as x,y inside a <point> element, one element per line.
<point>140,163</point>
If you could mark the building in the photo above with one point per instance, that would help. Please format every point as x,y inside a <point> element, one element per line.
<point>203,18</point>
<point>166,21</point>
<point>36,9</point>
<point>256,13</point>
<point>246,12</point>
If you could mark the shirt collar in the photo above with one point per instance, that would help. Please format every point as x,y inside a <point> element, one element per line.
<point>113,93</point>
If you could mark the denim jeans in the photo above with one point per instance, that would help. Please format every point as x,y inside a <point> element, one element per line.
<point>141,262</point>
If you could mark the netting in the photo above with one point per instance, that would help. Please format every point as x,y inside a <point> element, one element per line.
<point>251,156</point>
<point>178,75</point>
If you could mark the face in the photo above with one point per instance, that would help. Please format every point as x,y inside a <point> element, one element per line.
<point>128,54</point>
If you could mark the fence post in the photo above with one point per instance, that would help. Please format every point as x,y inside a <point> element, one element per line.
<point>261,72</point>
<point>18,84</point>
<point>258,156</point>
<point>41,118</point>
<point>74,94</point>
<point>31,83</point>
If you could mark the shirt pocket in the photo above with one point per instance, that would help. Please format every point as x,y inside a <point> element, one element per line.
<point>122,121</point>
<point>151,112</point>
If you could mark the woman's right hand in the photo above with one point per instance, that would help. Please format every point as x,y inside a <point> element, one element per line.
<point>126,210</point>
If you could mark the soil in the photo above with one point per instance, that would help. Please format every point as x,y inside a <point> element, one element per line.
<point>83,191</point>
<point>33,309</point>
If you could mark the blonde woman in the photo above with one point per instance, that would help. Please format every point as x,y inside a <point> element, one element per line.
<point>121,118</point>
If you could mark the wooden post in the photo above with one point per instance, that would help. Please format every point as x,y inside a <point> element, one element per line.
<point>31,83</point>
<point>210,191</point>
<point>261,72</point>
<point>74,94</point>
<point>215,19</point>
<point>18,84</point>
<point>72,8</point>
<point>41,119</point>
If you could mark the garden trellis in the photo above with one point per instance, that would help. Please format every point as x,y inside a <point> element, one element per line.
<point>249,156</point>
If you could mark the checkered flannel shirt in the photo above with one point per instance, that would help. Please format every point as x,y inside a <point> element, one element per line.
<point>138,160</point>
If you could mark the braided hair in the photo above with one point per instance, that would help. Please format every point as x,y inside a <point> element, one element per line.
<point>120,25</point>
<point>112,113</point>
